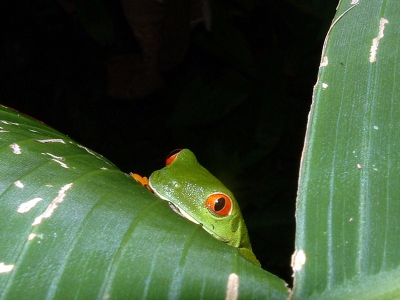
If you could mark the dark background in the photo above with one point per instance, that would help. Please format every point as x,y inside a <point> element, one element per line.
<point>237,95</point>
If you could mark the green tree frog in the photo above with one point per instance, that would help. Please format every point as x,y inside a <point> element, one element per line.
<point>194,193</point>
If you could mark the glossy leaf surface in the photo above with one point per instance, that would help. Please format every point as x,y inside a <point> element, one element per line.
<point>348,204</point>
<point>73,226</point>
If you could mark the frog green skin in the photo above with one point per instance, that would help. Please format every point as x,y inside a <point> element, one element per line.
<point>197,195</point>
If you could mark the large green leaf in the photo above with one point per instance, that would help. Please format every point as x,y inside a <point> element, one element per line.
<point>348,203</point>
<point>74,226</point>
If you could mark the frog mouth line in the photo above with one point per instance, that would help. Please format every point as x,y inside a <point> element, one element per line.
<point>190,218</point>
<point>184,214</point>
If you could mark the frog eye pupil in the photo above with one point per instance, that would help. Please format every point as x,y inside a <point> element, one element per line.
<point>219,204</point>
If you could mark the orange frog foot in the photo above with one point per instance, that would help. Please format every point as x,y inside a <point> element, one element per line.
<point>142,180</point>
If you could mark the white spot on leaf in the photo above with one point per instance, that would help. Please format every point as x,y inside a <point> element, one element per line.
<point>375,41</point>
<point>324,85</point>
<point>87,150</point>
<point>53,204</point>
<point>5,268</point>
<point>51,141</point>
<point>53,156</point>
<point>61,163</point>
<point>298,260</point>
<point>232,288</point>
<point>354,1</point>
<point>31,236</point>
<point>376,127</point>
<point>19,184</point>
<point>16,148</point>
<point>359,166</point>
<point>93,153</point>
<point>324,61</point>
<point>27,206</point>
<point>9,123</point>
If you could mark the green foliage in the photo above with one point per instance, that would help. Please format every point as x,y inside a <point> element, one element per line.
<point>348,209</point>
<point>249,78</point>
<point>73,226</point>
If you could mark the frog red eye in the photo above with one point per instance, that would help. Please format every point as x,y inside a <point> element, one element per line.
<point>171,157</point>
<point>219,204</point>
